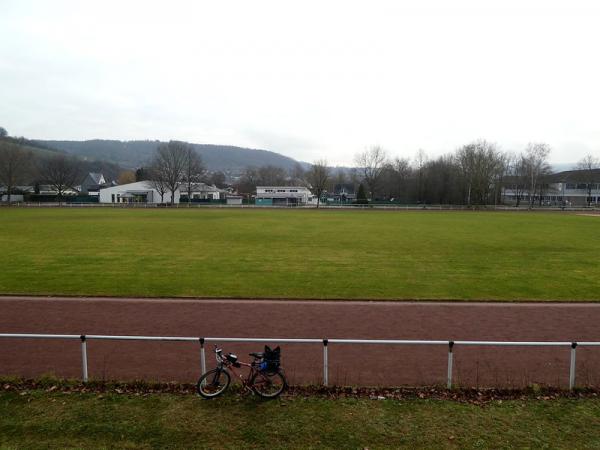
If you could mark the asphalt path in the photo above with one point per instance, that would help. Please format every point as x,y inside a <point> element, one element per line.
<point>348,364</point>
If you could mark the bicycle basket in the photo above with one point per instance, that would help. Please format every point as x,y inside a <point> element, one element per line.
<point>271,359</point>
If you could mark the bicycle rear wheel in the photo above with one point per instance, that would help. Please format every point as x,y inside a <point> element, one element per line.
<point>213,383</point>
<point>269,385</point>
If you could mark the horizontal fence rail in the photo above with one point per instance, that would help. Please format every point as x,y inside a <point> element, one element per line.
<point>324,342</point>
<point>385,206</point>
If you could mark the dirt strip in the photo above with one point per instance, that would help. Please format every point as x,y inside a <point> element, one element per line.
<point>480,396</point>
<point>348,364</point>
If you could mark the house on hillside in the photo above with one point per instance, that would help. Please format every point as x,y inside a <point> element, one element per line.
<point>92,183</point>
<point>283,196</point>
<point>139,192</point>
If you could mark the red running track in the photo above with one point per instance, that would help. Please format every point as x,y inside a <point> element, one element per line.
<point>348,364</point>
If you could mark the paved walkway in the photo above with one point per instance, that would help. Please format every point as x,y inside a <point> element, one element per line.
<point>349,364</point>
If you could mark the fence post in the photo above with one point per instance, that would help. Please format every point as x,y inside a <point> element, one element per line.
<point>84,364</point>
<point>325,363</point>
<point>450,361</point>
<point>572,367</point>
<point>202,357</point>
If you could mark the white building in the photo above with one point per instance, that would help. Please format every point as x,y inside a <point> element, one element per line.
<point>202,191</point>
<point>14,198</point>
<point>139,192</point>
<point>568,188</point>
<point>283,195</point>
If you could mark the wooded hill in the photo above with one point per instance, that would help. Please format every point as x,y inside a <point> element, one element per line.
<point>133,154</point>
<point>40,151</point>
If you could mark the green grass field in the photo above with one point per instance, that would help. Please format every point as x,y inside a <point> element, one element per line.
<point>39,419</point>
<point>300,254</point>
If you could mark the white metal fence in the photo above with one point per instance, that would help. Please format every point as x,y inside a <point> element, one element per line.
<point>324,342</point>
<point>350,206</point>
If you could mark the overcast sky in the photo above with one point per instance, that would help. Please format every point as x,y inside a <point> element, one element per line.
<point>306,79</point>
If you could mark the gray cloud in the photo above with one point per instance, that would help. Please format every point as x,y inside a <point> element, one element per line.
<point>405,75</point>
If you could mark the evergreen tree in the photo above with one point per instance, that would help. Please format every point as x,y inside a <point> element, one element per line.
<point>361,197</point>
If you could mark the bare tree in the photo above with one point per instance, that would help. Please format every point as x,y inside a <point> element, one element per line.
<point>420,164</point>
<point>590,166</point>
<point>169,165</point>
<point>318,176</point>
<point>482,167</point>
<point>372,162</point>
<point>536,163</point>
<point>126,177</point>
<point>142,174</point>
<point>194,169</point>
<point>401,173</point>
<point>156,178</point>
<point>272,176</point>
<point>340,176</point>
<point>61,172</point>
<point>218,179</point>
<point>14,163</point>
<point>518,178</point>
<point>248,181</point>
<point>297,175</point>
<point>466,160</point>
<point>443,181</point>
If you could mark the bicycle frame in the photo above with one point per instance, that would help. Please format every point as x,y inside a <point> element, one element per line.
<point>224,364</point>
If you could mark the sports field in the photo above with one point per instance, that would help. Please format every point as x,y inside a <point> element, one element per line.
<point>300,254</point>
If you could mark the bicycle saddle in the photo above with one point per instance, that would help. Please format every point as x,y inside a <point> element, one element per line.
<point>257,354</point>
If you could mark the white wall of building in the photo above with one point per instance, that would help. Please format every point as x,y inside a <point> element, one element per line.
<point>13,198</point>
<point>203,191</point>
<point>279,195</point>
<point>299,192</point>
<point>568,194</point>
<point>133,192</point>
<point>234,200</point>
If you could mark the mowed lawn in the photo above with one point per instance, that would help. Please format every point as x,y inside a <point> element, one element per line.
<point>300,254</point>
<point>37,419</point>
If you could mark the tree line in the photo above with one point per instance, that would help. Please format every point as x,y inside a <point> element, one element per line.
<point>474,174</point>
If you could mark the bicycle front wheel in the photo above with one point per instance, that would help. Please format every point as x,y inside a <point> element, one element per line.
<point>269,385</point>
<point>213,383</point>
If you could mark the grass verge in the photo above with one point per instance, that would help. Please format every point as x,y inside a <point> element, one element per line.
<point>46,418</point>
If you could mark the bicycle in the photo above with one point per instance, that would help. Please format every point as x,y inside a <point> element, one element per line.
<point>265,377</point>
